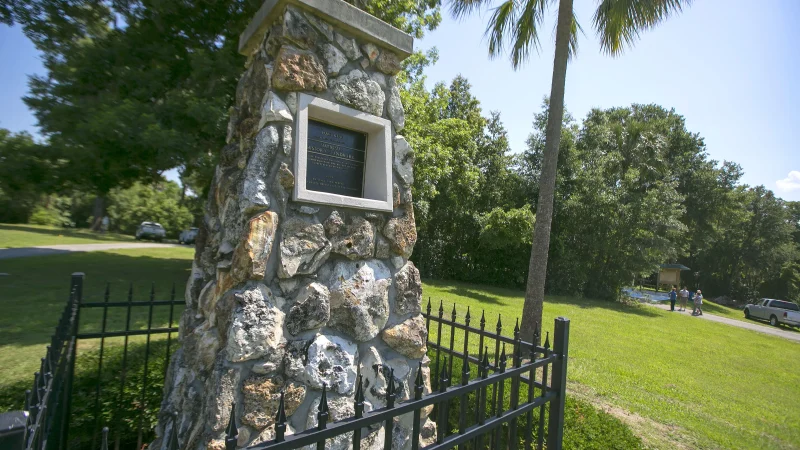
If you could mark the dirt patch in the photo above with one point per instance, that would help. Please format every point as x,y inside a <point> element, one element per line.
<point>655,435</point>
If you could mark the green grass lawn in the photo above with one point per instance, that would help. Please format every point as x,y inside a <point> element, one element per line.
<point>15,236</point>
<point>676,381</point>
<point>688,382</point>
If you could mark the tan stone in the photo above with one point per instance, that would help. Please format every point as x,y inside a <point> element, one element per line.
<point>251,255</point>
<point>388,63</point>
<point>261,398</point>
<point>408,338</point>
<point>286,177</point>
<point>216,444</point>
<point>298,70</point>
<point>401,232</point>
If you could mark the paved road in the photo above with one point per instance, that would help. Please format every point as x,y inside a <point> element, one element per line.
<point>25,252</point>
<point>750,325</point>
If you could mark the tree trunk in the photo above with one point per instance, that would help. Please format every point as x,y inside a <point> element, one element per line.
<point>537,268</point>
<point>98,211</point>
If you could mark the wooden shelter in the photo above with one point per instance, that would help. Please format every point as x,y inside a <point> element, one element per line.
<point>670,274</point>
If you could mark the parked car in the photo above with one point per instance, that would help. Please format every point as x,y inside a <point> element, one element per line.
<point>151,230</point>
<point>188,236</point>
<point>776,311</point>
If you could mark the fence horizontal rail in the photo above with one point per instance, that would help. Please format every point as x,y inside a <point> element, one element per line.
<point>138,303</point>
<point>145,332</point>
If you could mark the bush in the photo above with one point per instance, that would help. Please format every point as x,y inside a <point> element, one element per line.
<point>53,211</point>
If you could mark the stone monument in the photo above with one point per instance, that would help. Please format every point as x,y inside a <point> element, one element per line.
<point>301,275</point>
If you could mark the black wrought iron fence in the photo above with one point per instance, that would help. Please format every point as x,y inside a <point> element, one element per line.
<point>488,390</point>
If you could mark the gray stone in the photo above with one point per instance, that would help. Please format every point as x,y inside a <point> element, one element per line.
<point>261,396</point>
<point>207,348</point>
<point>206,296</point>
<point>332,361</point>
<point>303,248</point>
<point>308,210</point>
<point>359,298</point>
<point>333,224</point>
<point>357,241</point>
<point>312,309</point>
<point>398,262</point>
<point>274,110</point>
<point>251,255</point>
<point>408,338</point>
<point>401,232</point>
<point>194,285</point>
<point>404,159</point>
<point>408,285</point>
<point>388,63</point>
<point>255,193</point>
<point>271,363</point>
<point>298,30</point>
<point>427,434</point>
<point>396,113</point>
<point>286,142</point>
<point>380,79</point>
<point>291,102</point>
<point>364,63</point>
<point>382,248</point>
<point>298,70</point>
<point>257,325</point>
<point>356,89</point>
<point>348,45</point>
<point>269,434</point>
<point>223,394</point>
<point>371,51</point>
<point>334,59</point>
<point>340,408</point>
<point>322,27</point>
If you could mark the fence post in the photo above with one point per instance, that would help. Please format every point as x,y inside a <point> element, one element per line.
<point>555,426</point>
<point>76,296</point>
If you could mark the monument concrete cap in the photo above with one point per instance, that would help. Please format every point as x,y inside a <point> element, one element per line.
<point>346,16</point>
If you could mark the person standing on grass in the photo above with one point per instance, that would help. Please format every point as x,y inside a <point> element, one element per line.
<point>684,294</point>
<point>673,295</point>
<point>698,304</point>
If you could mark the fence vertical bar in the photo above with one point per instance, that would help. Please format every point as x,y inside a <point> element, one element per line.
<point>480,358</point>
<point>442,406</point>
<point>359,410</point>
<point>123,373</point>
<point>531,379</point>
<point>76,287</point>
<point>545,368</point>
<point>483,371</point>
<point>500,390</point>
<point>555,426</point>
<point>452,338</point>
<point>438,346</point>
<point>389,425</point>
<point>499,328</point>
<point>280,419</point>
<point>106,295</point>
<point>419,387</point>
<point>143,397</point>
<point>514,402</point>
<point>232,432</point>
<point>462,402</point>
<point>322,415</point>
<point>169,335</point>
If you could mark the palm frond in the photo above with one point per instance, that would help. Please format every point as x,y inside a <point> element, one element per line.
<point>619,22</point>
<point>503,18</point>
<point>462,8</point>
<point>526,31</point>
<point>573,36</point>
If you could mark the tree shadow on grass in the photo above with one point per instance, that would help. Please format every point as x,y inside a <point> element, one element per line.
<point>79,233</point>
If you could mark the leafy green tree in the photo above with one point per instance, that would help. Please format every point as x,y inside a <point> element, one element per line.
<point>516,24</point>
<point>27,174</point>
<point>141,202</point>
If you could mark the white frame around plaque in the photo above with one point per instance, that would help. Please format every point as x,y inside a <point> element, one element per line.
<point>378,164</point>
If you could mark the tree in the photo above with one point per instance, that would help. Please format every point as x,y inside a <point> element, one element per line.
<point>517,23</point>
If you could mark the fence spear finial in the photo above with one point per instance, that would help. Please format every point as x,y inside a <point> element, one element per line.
<point>322,411</point>
<point>441,308</point>
<point>547,341</point>
<point>443,379</point>
<point>485,363</point>
<point>280,420</point>
<point>465,369</point>
<point>104,440</point>
<point>499,324</point>
<point>419,383</point>
<point>428,308</point>
<point>516,329</point>
<point>467,317</point>
<point>232,433</point>
<point>153,291</point>
<point>503,359</point>
<point>107,294</point>
<point>453,314</point>
<point>390,390</point>
<point>359,400</point>
<point>483,319</point>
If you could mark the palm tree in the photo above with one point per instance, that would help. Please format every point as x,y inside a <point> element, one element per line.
<point>515,24</point>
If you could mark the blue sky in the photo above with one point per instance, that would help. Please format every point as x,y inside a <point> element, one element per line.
<point>729,66</point>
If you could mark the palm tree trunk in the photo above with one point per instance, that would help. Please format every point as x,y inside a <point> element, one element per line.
<point>537,268</point>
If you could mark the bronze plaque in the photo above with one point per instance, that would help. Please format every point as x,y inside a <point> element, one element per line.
<point>335,159</point>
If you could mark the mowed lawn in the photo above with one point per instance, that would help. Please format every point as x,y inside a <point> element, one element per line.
<point>689,382</point>
<point>15,236</point>
<point>677,381</point>
<point>34,293</point>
